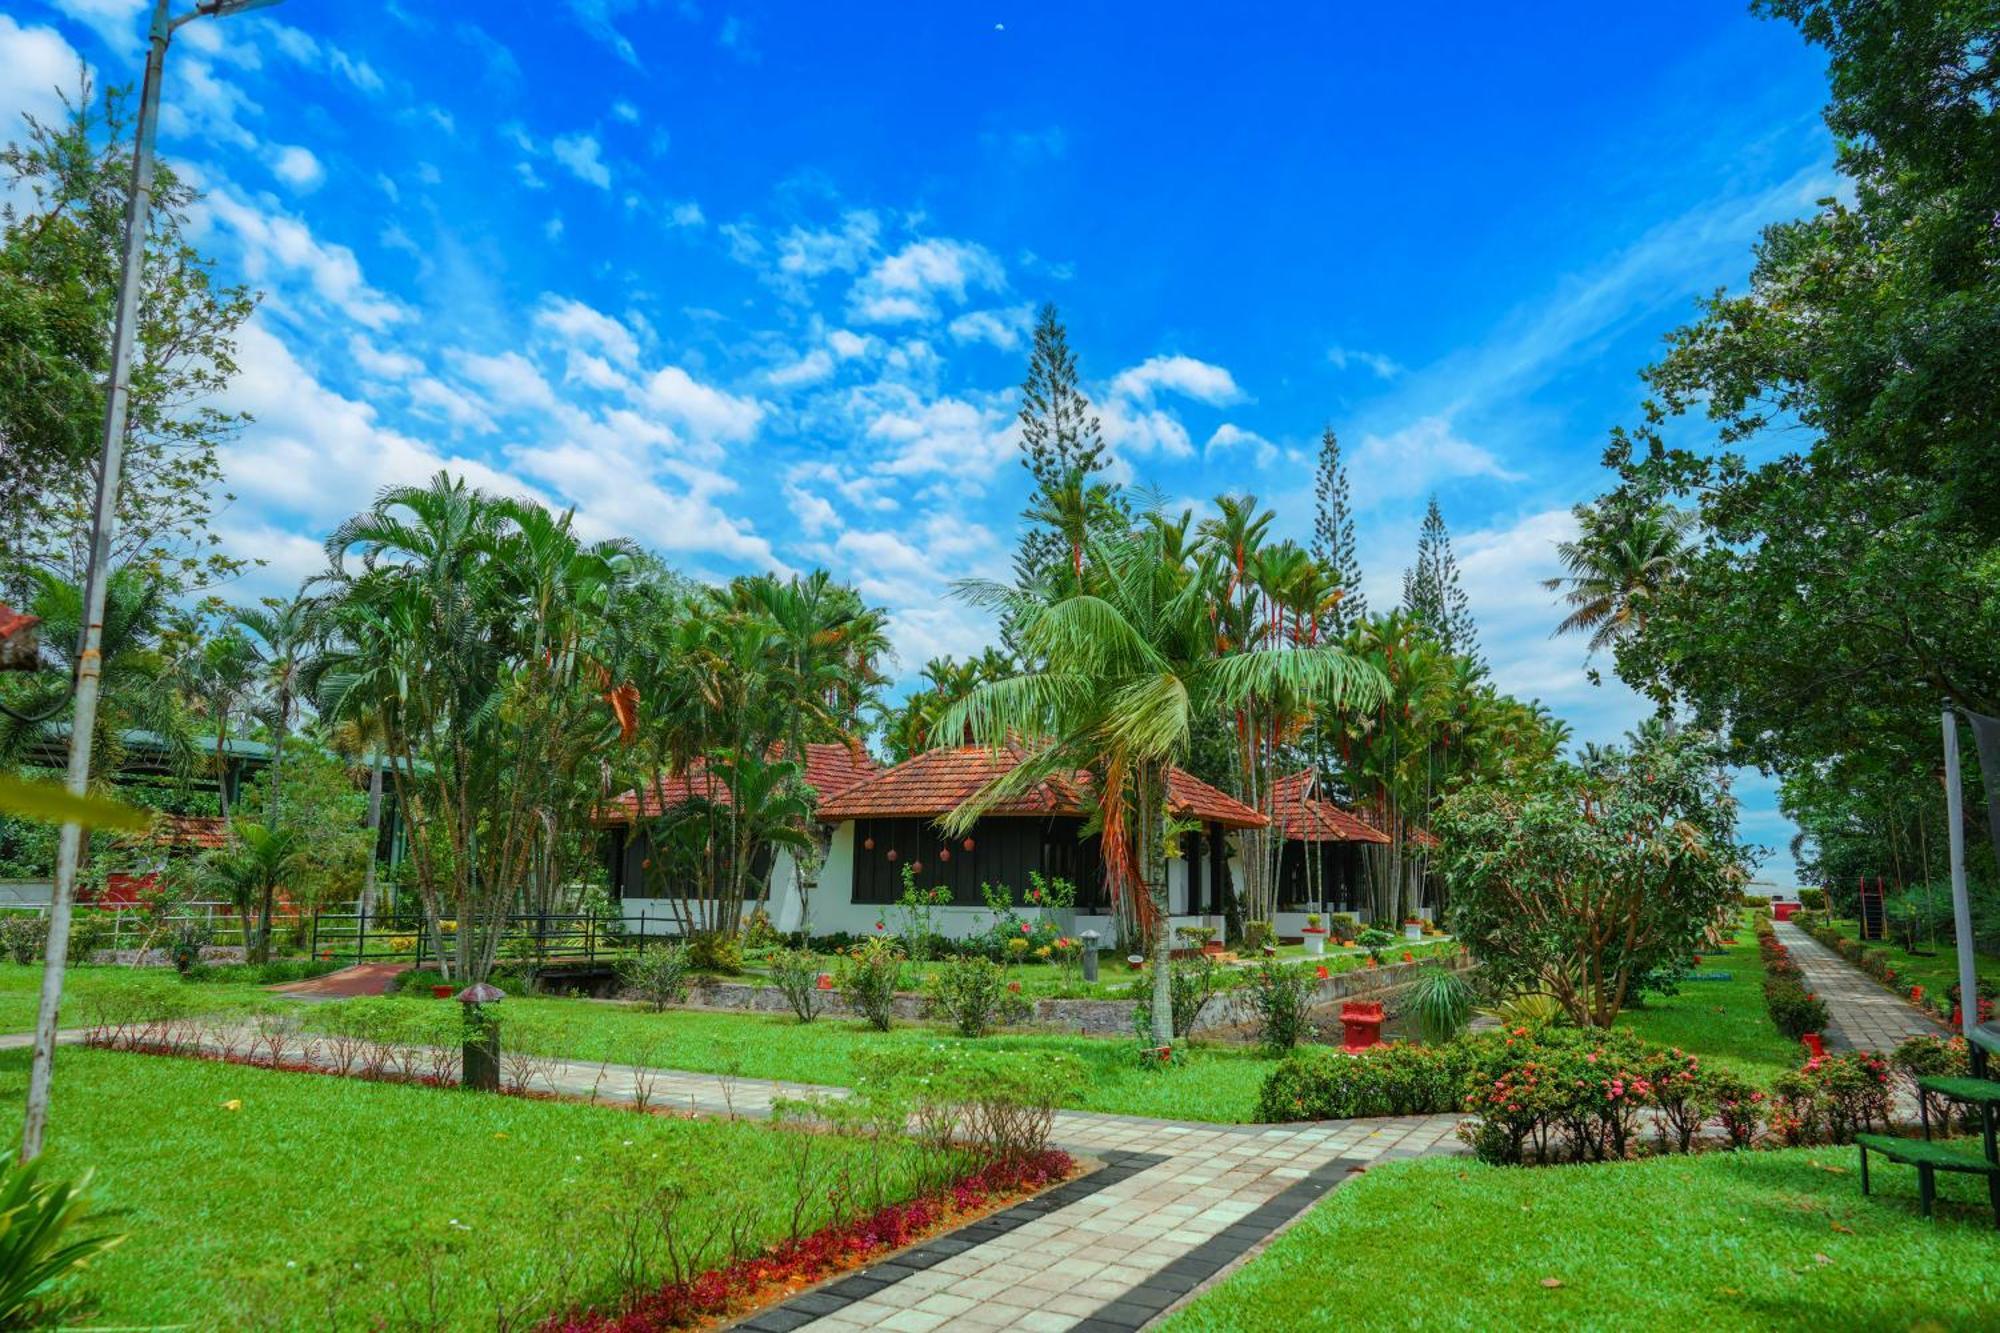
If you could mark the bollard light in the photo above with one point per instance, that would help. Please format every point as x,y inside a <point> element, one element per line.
<point>479,1060</point>
<point>1089,938</point>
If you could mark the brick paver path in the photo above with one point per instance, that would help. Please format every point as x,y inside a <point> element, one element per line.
<point>347,983</point>
<point>1861,1012</point>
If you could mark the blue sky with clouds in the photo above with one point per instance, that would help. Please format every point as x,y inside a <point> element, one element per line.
<point>750,282</point>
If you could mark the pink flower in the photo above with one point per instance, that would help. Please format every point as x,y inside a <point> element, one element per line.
<point>1024,928</point>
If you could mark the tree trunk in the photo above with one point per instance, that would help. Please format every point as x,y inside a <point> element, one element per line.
<point>1152,830</point>
<point>374,839</point>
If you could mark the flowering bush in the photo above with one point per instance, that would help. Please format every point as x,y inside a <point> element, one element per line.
<point>869,975</point>
<point>1740,1108</point>
<point>1395,1079</point>
<point>972,993</point>
<point>1838,1096</point>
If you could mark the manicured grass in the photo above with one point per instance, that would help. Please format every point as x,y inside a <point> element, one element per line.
<point>1752,1240</point>
<point>20,991</point>
<point>1936,972</point>
<point>301,1206</point>
<point>1725,1022</point>
<point>1216,1083</point>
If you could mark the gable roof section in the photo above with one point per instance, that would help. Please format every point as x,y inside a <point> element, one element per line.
<point>1304,816</point>
<point>831,768</point>
<point>937,782</point>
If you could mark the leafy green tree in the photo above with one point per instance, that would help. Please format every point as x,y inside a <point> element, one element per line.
<point>1579,887</point>
<point>61,243</point>
<point>249,872</point>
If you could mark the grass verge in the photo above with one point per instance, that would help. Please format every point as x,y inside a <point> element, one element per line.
<point>1723,1022</point>
<point>21,984</point>
<point>258,1199</point>
<point>1724,1240</point>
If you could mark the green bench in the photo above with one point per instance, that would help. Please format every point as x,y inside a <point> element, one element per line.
<point>1930,1158</point>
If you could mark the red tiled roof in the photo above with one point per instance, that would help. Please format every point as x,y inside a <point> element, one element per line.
<point>17,639</point>
<point>1305,817</point>
<point>831,768</point>
<point>12,622</point>
<point>937,782</point>
<point>1422,837</point>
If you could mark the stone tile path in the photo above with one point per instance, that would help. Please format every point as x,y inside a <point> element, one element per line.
<point>1862,1013</point>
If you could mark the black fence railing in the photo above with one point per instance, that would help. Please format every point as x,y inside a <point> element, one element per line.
<point>539,938</point>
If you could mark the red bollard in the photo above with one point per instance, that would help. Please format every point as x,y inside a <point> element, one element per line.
<point>826,981</point>
<point>1361,1024</point>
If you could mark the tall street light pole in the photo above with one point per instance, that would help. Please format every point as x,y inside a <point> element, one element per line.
<point>90,664</point>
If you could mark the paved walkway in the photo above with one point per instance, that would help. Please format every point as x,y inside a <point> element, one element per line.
<point>347,983</point>
<point>1862,1013</point>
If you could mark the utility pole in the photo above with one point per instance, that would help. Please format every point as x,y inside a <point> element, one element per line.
<point>90,664</point>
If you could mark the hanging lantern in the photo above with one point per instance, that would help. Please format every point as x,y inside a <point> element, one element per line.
<point>892,853</point>
<point>944,853</point>
<point>916,867</point>
<point>868,844</point>
<point>967,844</point>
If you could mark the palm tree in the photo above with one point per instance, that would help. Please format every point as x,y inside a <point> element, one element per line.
<point>250,871</point>
<point>1125,666</point>
<point>278,638</point>
<point>1620,562</point>
<point>218,675</point>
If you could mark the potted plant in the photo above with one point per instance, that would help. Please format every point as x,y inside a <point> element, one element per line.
<point>1314,936</point>
<point>1135,961</point>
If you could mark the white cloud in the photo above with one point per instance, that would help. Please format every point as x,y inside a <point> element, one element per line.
<point>580,323</point>
<point>808,254</point>
<point>595,372</point>
<point>625,111</point>
<point>596,17</point>
<point>1230,436</point>
<point>580,153</point>
<point>1383,367</point>
<point>433,397</point>
<point>905,285</point>
<point>34,64</point>
<point>949,436</point>
<point>115,21</point>
<point>708,413</point>
<point>811,368</point>
<point>298,168</point>
<point>508,379</point>
<point>847,344</point>
<point>1002,328</point>
<point>275,241</point>
<point>372,360</point>
<point>1417,457</point>
<point>1200,380</point>
<point>685,214</point>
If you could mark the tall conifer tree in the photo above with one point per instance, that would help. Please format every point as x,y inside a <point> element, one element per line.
<point>1333,535</point>
<point>1431,589</point>
<point>1060,436</point>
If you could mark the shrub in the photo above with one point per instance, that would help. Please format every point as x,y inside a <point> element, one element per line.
<point>1571,1093</point>
<point>188,940</point>
<point>1794,1009</point>
<point>1191,982</point>
<point>1001,1103</point>
<point>1932,1057</point>
<point>658,975</point>
<point>1834,1095</point>
<point>715,951</point>
<point>40,1247</point>
<point>1740,1108</point>
<point>973,994</point>
<point>1256,934</point>
<point>1682,1093</point>
<point>1396,1079</point>
<point>1280,995</point>
<point>917,909</point>
<point>1441,1000</point>
<point>23,936</point>
<point>869,975</point>
<point>1813,900</point>
<point>796,972</point>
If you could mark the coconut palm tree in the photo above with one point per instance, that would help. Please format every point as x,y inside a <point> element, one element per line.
<point>1617,567</point>
<point>1124,667</point>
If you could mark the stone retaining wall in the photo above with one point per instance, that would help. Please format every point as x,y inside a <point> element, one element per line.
<point>1097,1018</point>
<point>210,953</point>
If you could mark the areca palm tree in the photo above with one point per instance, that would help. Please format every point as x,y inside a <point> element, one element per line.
<point>218,674</point>
<point>249,872</point>
<point>1123,668</point>
<point>277,639</point>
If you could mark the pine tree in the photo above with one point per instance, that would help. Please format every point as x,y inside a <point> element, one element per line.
<point>1060,436</point>
<point>1432,592</point>
<point>1333,536</point>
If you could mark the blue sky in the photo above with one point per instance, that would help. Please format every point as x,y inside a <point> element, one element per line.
<point>750,282</point>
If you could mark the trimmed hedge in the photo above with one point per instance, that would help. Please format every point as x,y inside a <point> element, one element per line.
<point>1794,1009</point>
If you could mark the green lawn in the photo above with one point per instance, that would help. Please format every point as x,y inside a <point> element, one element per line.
<point>1935,972</point>
<point>1217,1083</point>
<point>1722,1021</point>
<point>20,991</point>
<point>1751,1240</point>
<point>301,1206</point>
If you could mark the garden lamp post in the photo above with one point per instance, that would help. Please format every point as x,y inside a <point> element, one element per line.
<point>1090,938</point>
<point>89,671</point>
<point>479,1059</point>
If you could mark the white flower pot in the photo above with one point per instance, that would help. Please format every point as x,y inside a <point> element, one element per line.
<point>1315,944</point>
<point>1413,932</point>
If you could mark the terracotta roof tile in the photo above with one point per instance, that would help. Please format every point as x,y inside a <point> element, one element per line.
<point>199,832</point>
<point>831,768</point>
<point>939,781</point>
<point>1306,817</point>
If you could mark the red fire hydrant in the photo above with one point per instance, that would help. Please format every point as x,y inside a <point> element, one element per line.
<point>1361,1024</point>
